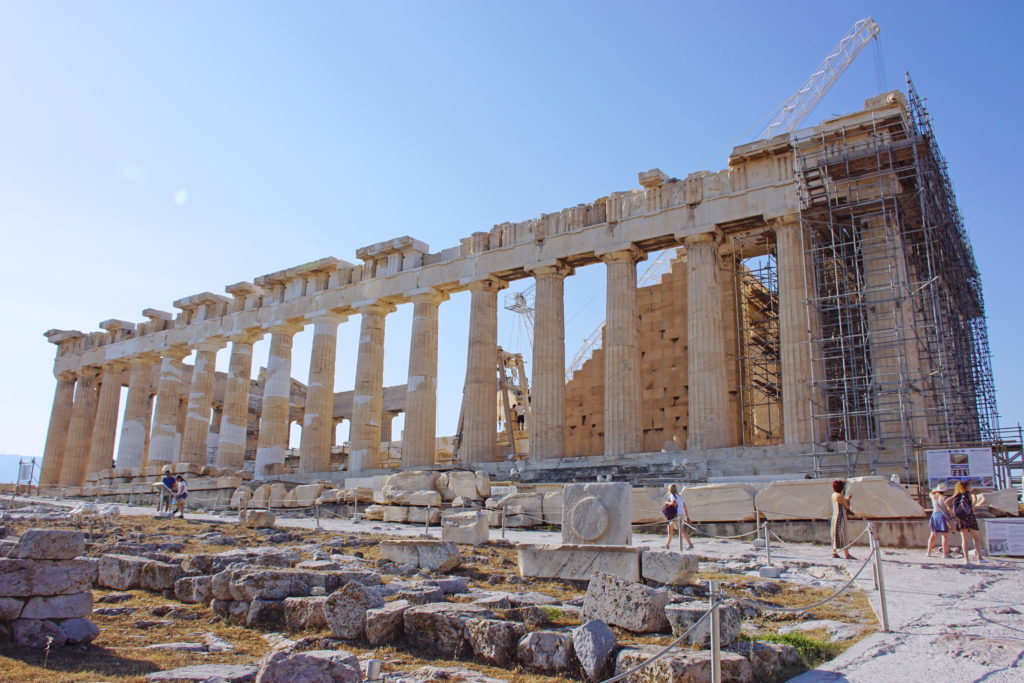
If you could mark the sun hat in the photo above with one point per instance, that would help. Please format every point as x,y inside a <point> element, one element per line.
<point>940,487</point>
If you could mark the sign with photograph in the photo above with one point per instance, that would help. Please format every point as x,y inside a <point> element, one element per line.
<point>950,465</point>
<point>1005,536</point>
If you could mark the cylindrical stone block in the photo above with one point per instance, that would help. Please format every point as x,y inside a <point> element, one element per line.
<point>547,428</point>
<point>273,438</point>
<point>83,416</point>
<point>419,444</point>
<point>794,334</point>
<point>235,420</point>
<point>163,444</point>
<point>104,433</point>
<point>318,417</point>
<point>136,414</point>
<point>200,403</point>
<point>622,432</point>
<point>480,404</point>
<point>369,390</point>
<point>706,345</point>
<point>57,433</point>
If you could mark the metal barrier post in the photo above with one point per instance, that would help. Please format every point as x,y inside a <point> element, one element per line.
<point>716,636</point>
<point>426,521</point>
<point>679,528</point>
<point>317,508</point>
<point>871,548</point>
<point>503,522</point>
<point>884,608</point>
<point>767,543</point>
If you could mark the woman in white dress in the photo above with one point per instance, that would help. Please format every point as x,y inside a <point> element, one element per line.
<point>682,514</point>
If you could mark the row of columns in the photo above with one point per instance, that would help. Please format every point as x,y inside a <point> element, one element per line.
<point>81,435</point>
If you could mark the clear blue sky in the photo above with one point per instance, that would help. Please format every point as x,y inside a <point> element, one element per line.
<point>149,151</point>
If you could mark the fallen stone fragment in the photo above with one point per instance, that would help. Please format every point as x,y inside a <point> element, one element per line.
<point>683,615</point>
<point>595,646</point>
<point>680,666</point>
<point>837,630</point>
<point>440,628</point>
<point>430,674</point>
<point>546,651</point>
<point>434,555</point>
<point>50,544</point>
<point>301,614</point>
<point>386,624</point>
<point>311,666</point>
<point>633,606</point>
<point>345,610</point>
<point>769,661</point>
<point>199,673</point>
<point>495,641</point>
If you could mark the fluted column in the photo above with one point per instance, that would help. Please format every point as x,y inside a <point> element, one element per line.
<point>132,446</point>
<point>104,431</point>
<point>273,438</point>
<point>83,416</point>
<point>705,345</point>
<point>318,418</point>
<point>235,420</point>
<point>368,397</point>
<point>547,397</point>
<point>419,444</point>
<point>480,396</point>
<point>795,281</point>
<point>622,429</point>
<point>165,439</point>
<point>57,433</point>
<point>200,403</point>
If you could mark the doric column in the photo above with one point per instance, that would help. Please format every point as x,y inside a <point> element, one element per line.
<point>547,397</point>
<point>795,282</point>
<point>364,441</point>
<point>273,438</point>
<point>235,421</point>
<point>480,396</point>
<point>200,402</point>
<point>419,444</point>
<point>136,413</point>
<point>104,431</point>
<point>622,429</point>
<point>83,416</point>
<point>165,440</point>
<point>706,423</point>
<point>318,418</point>
<point>57,433</point>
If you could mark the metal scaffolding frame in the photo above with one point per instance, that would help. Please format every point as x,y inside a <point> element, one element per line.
<point>900,339</point>
<point>756,286</point>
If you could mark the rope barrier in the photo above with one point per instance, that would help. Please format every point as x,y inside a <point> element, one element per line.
<point>851,543</point>
<point>724,538</point>
<point>664,651</point>
<point>778,608</point>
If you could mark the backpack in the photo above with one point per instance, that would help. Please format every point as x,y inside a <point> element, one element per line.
<point>962,506</point>
<point>669,511</point>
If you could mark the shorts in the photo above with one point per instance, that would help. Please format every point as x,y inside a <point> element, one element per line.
<point>967,523</point>
<point>182,496</point>
<point>938,523</point>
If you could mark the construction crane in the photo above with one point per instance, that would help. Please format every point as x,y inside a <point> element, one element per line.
<point>794,110</point>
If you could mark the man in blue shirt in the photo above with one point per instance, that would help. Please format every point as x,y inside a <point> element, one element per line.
<point>167,492</point>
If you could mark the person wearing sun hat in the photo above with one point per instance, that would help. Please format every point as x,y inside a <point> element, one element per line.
<point>941,519</point>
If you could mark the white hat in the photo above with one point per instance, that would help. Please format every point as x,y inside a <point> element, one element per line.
<point>940,487</point>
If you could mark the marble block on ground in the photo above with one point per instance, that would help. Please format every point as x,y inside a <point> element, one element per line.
<point>269,495</point>
<point>720,502</point>
<point>433,555</point>
<point>597,514</point>
<point>578,562</point>
<point>469,527</point>
<point>552,507</point>
<point>878,497</point>
<point>670,567</point>
<point>796,499</point>
<point>1001,501</point>
<point>647,502</point>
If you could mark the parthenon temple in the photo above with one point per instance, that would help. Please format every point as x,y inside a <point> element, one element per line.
<point>822,315</point>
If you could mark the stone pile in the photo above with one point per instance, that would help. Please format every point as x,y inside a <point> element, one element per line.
<point>45,590</point>
<point>418,496</point>
<point>142,480</point>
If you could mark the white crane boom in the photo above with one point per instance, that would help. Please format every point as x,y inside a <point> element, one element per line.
<point>802,102</point>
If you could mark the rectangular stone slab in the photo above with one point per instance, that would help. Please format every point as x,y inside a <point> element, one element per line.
<point>720,502</point>
<point>578,562</point>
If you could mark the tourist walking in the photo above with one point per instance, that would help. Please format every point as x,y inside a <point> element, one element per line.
<point>940,521</point>
<point>180,494</point>
<point>840,511</point>
<point>962,505</point>
<point>675,523</point>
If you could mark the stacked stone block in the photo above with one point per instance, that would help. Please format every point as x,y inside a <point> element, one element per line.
<point>45,592</point>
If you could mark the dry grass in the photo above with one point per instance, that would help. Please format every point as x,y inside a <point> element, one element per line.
<point>118,654</point>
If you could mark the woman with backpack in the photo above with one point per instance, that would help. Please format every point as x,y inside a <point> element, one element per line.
<point>675,512</point>
<point>962,504</point>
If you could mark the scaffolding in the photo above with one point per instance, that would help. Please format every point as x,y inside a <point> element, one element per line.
<point>900,346</point>
<point>756,285</point>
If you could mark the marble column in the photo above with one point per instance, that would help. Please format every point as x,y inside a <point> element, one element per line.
<point>706,422</point>
<point>136,413</point>
<point>57,433</point>
<point>166,439</point>
<point>480,396</point>
<point>419,444</point>
<point>795,282</point>
<point>273,437</point>
<point>547,426</point>
<point>200,403</point>
<point>318,417</point>
<point>386,418</point>
<point>83,416</point>
<point>364,440</point>
<point>104,431</point>
<point>622,428</point>
<point>235,420</point>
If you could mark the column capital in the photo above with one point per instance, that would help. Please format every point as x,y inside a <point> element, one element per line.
<point>428,295</point>
<point>116,365</point>
<point>709,237</point>
<point>621,252</point>
<point>65,376</point>
<point>784,221</point>
<point>213,344</point>
<point>374,307</point>
<point>484,284</point>
<point>328,317</point>
<point>88,372</point>
<point>250,336</point>
<point>176,352</point>
<point>145,358</point>
<point>290,328</point>
<point>552,268</point>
